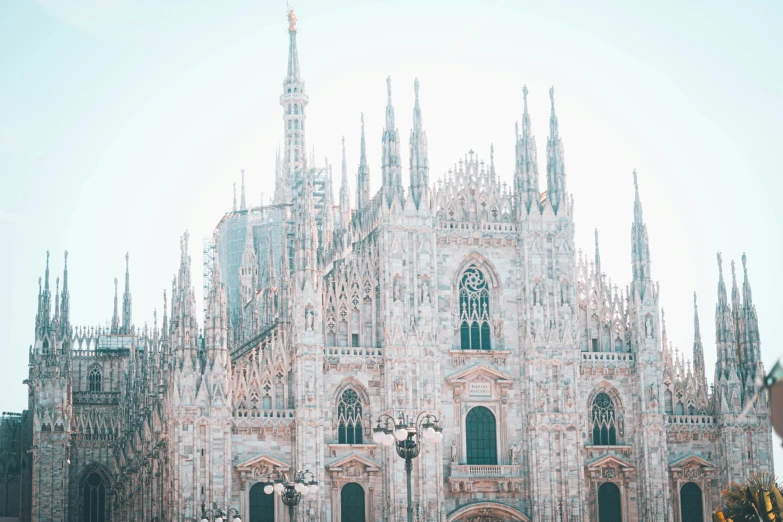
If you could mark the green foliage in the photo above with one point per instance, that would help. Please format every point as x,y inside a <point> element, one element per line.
<point>746,503</point>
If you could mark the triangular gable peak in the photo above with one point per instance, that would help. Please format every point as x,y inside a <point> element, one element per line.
<point>350,461</point>
<point>477,371</point>
<point>610,461</point>
<point>691,461</point>
<point>261,464</point>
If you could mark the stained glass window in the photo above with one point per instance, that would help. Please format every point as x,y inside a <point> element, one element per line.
<point>481,436</point>
<point>474,310</point>
<point>604,421</point>
<point>349,417</point>
<point>95,380</point>
<point>94,509</point>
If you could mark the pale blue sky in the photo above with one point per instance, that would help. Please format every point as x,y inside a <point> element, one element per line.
<point>124,123</point>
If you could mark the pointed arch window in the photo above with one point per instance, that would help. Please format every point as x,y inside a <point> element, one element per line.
<point>474,310</point>
<point>349,418</point>
<point>604,421</point>
<point>95,379</point>
<point>94,507</point>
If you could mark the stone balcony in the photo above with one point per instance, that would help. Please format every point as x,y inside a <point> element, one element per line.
<point>468,478</point>
<point>96,398</point>
<point>606,363</point>
<point>705,420</point>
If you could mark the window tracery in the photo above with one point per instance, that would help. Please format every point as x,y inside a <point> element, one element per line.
<point>474,310</point>
<point>604,421</point>
<point>95,379</point>
<point>349,418</point>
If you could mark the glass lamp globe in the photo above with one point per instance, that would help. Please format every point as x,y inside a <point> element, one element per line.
<point>401,433</point>
<point>237,519</point>
<point>279,487</point>
<point>268,489</point>
<point>388,439</point>
<point>312,489</point>
<point>378,436</point>
<point>301,487</point>
<point>204,520</point>
<point>219,519</point>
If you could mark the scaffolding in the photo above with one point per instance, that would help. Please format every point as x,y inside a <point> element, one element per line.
<point>209,263</point>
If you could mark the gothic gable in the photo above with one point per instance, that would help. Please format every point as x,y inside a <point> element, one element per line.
<point>352,461</point>
<point>261,464</point>
<point>691,461</point>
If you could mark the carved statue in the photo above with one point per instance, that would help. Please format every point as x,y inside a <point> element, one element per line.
<point>454,451</point>
<point>396,290</point>
<point>310,386</point>
<point>564,293</point>
<point>497,322</point>
<point>536,295</point>
<point>309,320</point>
<point>425,292</point>
<point>515,449</point>
<point>654,395</point>
<point>648,326</point>
<point>291,20</point>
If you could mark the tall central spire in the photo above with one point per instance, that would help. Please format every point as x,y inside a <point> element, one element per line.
<point>294,100</point>
<point>640,249</point>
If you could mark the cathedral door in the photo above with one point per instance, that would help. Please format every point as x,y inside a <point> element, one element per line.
<point>690,503</point>
<point>609,509</point>
<point>352,503</point>
<point>262,505</point>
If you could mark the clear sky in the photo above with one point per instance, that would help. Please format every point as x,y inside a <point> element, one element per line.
<point>124,123</point>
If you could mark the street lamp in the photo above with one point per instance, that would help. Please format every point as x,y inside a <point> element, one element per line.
<point>217,515</point>
<point>291,491</point>
<point>406,434</point>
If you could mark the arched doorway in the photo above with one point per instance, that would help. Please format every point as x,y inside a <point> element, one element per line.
<point>262,505</point>
<point>352,503</point>
<point>94,507</point>
<point>691,506</point>
<point>609,505</point>
<point>481,436</point>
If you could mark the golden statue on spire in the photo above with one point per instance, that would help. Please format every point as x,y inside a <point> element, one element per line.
<point>291,18</point>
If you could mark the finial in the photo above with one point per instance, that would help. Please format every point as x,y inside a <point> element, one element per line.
<point>66,259</point>
<point>388,85</point>
<point>596,239</point>
<point>720,264</point>
<point>116,283</point>
<point>127,261</point>
<point>416,87</point>
<point>635,181</point>
<point>694,299</point>
<point>47,259</point>
<point>744,263</point>
<point>552,96</point>
<point>492,152</point>
<point>291,18</point>
<point>343,141</point>
<point>524,92</point>
<point>362,122</point>
<point>733,271</point>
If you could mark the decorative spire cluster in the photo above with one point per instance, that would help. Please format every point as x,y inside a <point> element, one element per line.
<point>419,162</point>
<point>390,164</point>
<point>526,171</point>
<point>555,166</point>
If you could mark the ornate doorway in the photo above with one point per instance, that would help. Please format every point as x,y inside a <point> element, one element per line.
<point>691,506</point>
<point>352,503</point>
<point>262,506</point>
<point>609,505</point>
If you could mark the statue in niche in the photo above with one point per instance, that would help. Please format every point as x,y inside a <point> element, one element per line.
<point>648,326</point>
<point>425,292</point>
<point>515,449</point>
<point>654,395</point>
<point>542,389</point>
<point>454,451</point>
<point>497,322</point>
<point>399,385</point>
<point>309,320</point>
<point>310,386</point>
<point>564,293</point>
<point>536,295</point>
<point>397,290</point>
<point>569,391</point>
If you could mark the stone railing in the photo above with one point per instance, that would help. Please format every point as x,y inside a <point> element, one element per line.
<point>597,357</point>
<point>353,351</point>
<point>485,478</point>
<point>491,226</point>
<point>264,414</point>
<point>484,470</point>
<point>93,397</point>
<point>690,419</point>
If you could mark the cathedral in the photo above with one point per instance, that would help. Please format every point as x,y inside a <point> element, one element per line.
<point>324,318</point>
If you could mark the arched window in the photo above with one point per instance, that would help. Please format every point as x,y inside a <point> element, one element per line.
<point>351,503</point>
<point>691,503</point>
<point>474,310</point>
<point>604,421</point>
<point>349,417</point>
<point>95,380</point>
<point>262,505</point>
<point>609,506</point>
<point>481,436</point>
<point>94,507</point>
<point>296,109</point>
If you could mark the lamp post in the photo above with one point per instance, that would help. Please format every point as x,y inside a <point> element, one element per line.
<point>217,514</point>
<point>291,491</point>
<point>406,433</point>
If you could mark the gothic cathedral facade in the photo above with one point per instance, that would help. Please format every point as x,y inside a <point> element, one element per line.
<point>559,395</point>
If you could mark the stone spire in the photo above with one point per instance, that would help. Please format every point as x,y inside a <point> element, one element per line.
<point>749,341</point>
<point>597,256</point>
<point>390,164</point>
<point>419,162</point>
<point>234,206</point>
<point>728,395</point>
<point>65,306</point>
<point>306,254</point>
<point>363,176</point>
<point>115,319</point>
<point>280,181</point>
<point>327,219</point>
<point>43,316</point>
<point>698,351</point>
<point>555,168</point>
<point>345,196</point>
<point>126,300</point>
<point>216,322</point>
<point>640,246</point>
<point>294,100</point>
<point>526,172</point>
<point>242,205</point>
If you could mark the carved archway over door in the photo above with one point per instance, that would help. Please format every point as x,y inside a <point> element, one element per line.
<point>487,512</point>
